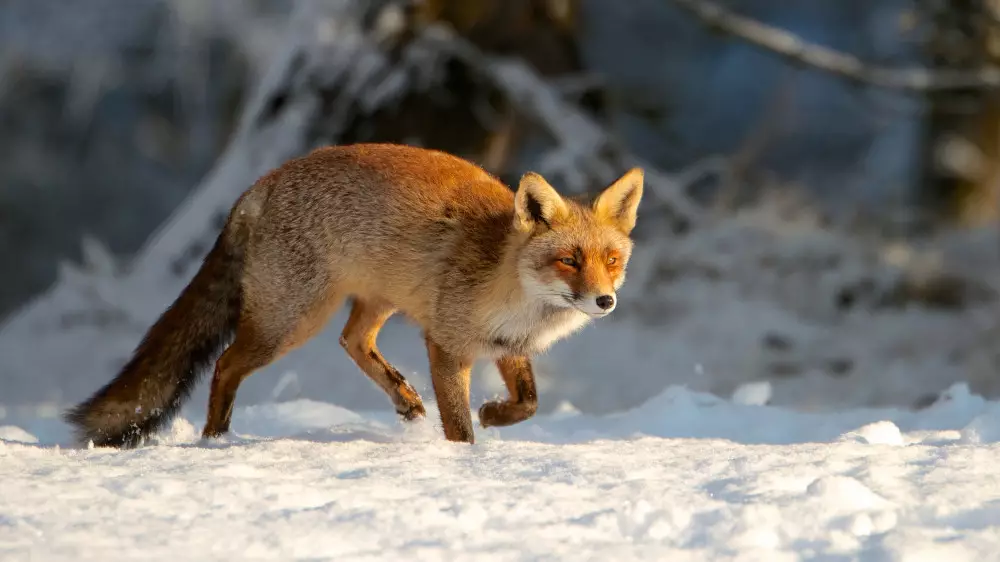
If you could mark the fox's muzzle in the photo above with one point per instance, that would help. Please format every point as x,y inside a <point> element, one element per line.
<point>596,305</point>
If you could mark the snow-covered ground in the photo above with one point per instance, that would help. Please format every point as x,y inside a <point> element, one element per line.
<point>686,476</point>
<point>733,409</point>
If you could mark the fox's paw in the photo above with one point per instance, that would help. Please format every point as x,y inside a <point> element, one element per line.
<point>408,402</point>
<point>504,412</point>
<point>489,413</point>
<point>412,411</point>
<point>210,432</point>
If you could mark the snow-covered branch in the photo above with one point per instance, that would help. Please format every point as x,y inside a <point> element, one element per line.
<point>799,51</point>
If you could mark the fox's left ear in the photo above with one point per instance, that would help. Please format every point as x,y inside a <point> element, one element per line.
<point>619,203</point>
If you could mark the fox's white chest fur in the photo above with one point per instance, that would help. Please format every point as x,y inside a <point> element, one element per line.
<point>531,328</point>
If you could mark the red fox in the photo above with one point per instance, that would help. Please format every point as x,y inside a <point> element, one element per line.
<point>484,271</point>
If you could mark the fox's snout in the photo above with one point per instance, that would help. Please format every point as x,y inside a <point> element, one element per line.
<point>596,305</point>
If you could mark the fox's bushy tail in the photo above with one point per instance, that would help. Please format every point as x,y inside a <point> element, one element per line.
<point>177,349</point>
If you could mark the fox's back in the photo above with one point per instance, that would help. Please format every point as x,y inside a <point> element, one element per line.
<point>384,218</point>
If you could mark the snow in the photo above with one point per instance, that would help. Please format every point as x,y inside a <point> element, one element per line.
<point>685,476</point>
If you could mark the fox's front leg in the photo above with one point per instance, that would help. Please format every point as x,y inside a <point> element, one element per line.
<point>523,400</point>
<point>450,376</point>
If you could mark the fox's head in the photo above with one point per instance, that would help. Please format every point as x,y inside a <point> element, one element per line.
<point>574,256</point>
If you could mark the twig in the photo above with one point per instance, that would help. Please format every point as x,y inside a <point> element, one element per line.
<point>794,48</point>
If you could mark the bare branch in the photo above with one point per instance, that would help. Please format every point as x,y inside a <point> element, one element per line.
<point>794,48</point>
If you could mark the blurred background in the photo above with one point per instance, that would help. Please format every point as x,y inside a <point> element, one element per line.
<point>822,177</point>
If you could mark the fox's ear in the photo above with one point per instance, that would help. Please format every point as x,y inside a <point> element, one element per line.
<point>536,202</point>
<point>619,203</point>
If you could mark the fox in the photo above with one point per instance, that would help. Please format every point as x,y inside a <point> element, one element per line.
<point>483,270</point>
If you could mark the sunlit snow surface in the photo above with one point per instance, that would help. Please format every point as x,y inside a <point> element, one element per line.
<point>684,477</point>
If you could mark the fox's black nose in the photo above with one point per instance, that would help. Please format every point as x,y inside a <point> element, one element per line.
<point>605,302</point>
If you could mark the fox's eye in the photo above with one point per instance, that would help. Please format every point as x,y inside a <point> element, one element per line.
<point>568,261</point>
<point>612,260</point>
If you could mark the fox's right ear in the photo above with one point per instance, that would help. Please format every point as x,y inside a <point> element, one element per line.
<point>536,202</point>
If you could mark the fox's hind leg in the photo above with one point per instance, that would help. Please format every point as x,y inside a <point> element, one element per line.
<point>268,328</point>
<point>248,353</point>
<point>523,401</point>
<point>358,338</point>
